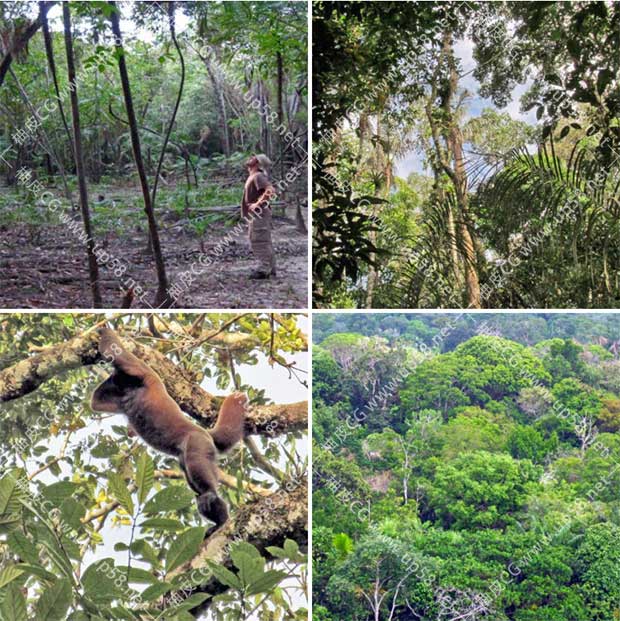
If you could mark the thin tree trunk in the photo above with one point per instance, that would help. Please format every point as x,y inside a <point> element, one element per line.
<point>264,127</point>
<point>176,105</point>
<point>49,52</point>
<point>218,91</point>
<point>45,141</point>
<point>93,268</point>
<point>97,171</point>
<point>280,111</point>
<point>161,298</point>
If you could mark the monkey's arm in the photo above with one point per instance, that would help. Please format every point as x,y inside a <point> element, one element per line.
<point>106,397</point>
<point>112,350</point>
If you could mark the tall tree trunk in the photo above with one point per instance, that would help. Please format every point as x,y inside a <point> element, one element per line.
<point>176,104</point>
<point>454,249</point>
<point>93,268</point>
<point>218,92</point>
<point>49,52</point>
<point>280,110</point>
<point>451,161</point>
<point>264,127</point>
<point>455,145</point>
<point>97,171</point>
<point>161,298</point>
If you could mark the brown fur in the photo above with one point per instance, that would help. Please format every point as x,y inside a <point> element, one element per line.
<point>137,391</point>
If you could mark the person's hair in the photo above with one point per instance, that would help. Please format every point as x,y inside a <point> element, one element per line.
<point>264,162</point>
<point>252,161</point>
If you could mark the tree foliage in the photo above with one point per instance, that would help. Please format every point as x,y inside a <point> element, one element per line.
<point>95,525</point>
<point>492,483</point>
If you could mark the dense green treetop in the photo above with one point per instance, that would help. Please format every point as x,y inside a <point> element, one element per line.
<point>489,472</point>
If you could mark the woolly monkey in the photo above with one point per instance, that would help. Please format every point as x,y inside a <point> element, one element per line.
<point>135,390</point>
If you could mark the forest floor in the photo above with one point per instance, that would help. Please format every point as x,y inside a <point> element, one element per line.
<point>43,263</point>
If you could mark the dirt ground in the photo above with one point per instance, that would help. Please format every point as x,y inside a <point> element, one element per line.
<point>46,267</point>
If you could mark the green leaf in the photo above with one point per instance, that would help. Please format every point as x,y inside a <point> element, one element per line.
<point>225,576</point>
<point>276,551</point>
<point>72,513</point>
<point>146,551</point>
<point>171,498</point>
<point>14,605</point>
<point>343,544</point>
<point>251,568</point>
<point>9,573</point>
<point>291,548</point>
<point>56,554</point>
<point>100,581</point>
<point>119,490</point>
<point>184,547</point>
<point>145,475</point>
<point>165,524</point>
<point>155,591</point>
<point>10,493</point>
<point>23,547</point>
<point>191,602</point>
<point>248,548</point>
<point>54,602</point>
<point>57,492</point>
<point>37,570</point>
<point>139,576</point>
<point>267,582</point>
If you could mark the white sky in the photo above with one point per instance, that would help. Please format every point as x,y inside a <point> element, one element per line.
<point>128,27</point>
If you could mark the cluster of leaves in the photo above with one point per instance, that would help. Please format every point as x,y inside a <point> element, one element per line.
<point>492,463</point>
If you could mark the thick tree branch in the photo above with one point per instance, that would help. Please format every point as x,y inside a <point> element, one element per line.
<point>268,521</point>
<point>26,35</point>
<point>27,375</point>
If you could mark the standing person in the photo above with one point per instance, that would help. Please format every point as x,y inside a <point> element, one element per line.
<point>255,207</point>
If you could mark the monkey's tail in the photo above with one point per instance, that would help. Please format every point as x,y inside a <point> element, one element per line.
<point>230,421</point>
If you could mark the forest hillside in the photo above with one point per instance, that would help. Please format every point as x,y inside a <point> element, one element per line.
<point>474,481</point>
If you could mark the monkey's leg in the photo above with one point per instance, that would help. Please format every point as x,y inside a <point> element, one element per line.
<point>189,482</point>
<point>106,397</point>
<point>201,469</point>
<point>113,350</point>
